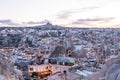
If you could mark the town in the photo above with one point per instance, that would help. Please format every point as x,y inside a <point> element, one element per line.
<point>51,52</point>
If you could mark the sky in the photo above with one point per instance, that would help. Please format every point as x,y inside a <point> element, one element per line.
<point>68,13</point>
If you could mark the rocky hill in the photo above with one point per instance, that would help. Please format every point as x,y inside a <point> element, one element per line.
<point>7,70</point>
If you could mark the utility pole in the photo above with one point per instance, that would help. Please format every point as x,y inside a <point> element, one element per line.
<point>65,74</point>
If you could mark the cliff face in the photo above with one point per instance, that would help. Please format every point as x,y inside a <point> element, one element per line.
<point>113,72</point>
<point>7,70</point>
<point>110,71</point>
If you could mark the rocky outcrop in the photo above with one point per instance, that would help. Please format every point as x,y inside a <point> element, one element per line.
<point>110,71</point>
<point>7,71</point>
<point>113,72</point>
<point>59,51</point>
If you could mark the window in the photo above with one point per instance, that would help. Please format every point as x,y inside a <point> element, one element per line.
<point>46,67</point>
<point>31,69</point>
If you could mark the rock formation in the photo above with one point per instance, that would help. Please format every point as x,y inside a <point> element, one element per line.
<point>110,71</point>
<point>7,70</point>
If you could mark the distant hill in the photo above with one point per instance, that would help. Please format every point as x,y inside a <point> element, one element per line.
<point>48,26</point>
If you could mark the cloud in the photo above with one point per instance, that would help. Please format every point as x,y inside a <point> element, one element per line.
<point>7,22</point>
<point>67,13</point>
<point>36,22</point>
<point>64,15</point>
<point>93,20</point>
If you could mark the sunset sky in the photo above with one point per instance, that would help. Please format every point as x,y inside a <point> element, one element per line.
<point>68,13</point>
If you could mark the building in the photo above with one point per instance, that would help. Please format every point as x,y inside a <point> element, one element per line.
<point>66,61</point>
<point>39,71</point>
